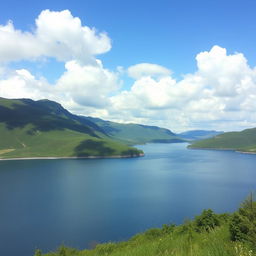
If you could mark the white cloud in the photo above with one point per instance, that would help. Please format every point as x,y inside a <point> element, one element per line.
<point>79,86</point>
<point>22,84</point>
<point>218,95</point>
<point>147,69</point>
<point>224,73</point>
<point>16,45</point>
<point>57,34</point>
<point>161,93</point>
<point>87,85</point>
<point>221,94</point>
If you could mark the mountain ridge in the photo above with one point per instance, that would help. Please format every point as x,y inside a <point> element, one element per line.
<point>132,134</point>
<point>44,128</point>
<point>198,134</point>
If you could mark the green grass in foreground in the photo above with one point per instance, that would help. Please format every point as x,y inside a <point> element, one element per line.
<point>209,234</point>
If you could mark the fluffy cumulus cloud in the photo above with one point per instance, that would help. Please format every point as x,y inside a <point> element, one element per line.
<point>147,69</point>
<point>79,87</point>
<point>221,94</point>
<point>59,35</point>
<point>22,84</point>
<point>56,34</point>
<point>87,85</point>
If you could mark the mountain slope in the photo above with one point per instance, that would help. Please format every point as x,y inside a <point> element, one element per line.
<point>45,129</point>
<point>135,133</point>
<point>242,141</point>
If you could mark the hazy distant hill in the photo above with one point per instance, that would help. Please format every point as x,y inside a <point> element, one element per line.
<point>241,141</point>
<point>135,133</point>
<point>198,134</point>
<point>44,128</point>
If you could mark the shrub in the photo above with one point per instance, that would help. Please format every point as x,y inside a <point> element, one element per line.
<point>107,248</point>
<point>168,229</point>
<point>243,223</point>
<point>153,233</point>
<point>207,221</point>
<point>224,217</point>
<point>239,227</point>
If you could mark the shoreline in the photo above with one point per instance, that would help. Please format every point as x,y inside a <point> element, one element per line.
<point>71,157</point>
<point>246,152</point>
<point>225,149</point>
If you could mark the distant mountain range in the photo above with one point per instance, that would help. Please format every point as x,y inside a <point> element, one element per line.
<point>198,134</point>
<point>45,129</point>
<point>133,134</point>
<point>244,141</point>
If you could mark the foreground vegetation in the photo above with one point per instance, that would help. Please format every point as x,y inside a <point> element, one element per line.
<point>244,141</point>
<point>209,234</point>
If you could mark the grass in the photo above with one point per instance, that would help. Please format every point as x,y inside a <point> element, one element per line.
<point>177,243</point>
<point>209,234</point>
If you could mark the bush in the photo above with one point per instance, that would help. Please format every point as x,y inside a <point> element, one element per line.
<point>153,233</point>
<point>239,227</point>
<point>207,221</point>
<point>243,223</point>
<point>107,248</point>
<point>224,218</point>
<point>168,229</point>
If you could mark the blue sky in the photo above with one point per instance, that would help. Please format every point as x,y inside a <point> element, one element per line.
<point>169,34</point>
<point>166,32</point>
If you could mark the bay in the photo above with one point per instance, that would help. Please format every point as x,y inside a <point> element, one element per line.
<point>79,203</point>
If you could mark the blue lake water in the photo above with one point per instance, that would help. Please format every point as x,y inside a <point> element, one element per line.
<point>46,203</point>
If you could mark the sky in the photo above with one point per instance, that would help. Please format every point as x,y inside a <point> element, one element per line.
<point>181,65</point>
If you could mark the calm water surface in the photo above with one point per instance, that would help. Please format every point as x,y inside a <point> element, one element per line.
<point>45,203</point>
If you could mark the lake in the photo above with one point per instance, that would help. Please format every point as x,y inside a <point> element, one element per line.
<point>79,203</point>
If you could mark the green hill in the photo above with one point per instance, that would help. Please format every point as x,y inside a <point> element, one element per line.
<point>244,141</point>
<point>135,133</point>
<point>45,129</point>
<point>208,234</point>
